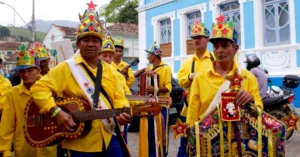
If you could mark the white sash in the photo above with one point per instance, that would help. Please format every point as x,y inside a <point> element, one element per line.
<point>88,87</point>
<point>217,98</point>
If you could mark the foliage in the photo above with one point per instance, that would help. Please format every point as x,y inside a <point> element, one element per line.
<point>4,32</point>
<point>120,11</point>
<point>128,14</point>
<point>26,34</point>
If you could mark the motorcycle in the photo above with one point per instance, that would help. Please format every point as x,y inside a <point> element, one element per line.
<point>279,100</point>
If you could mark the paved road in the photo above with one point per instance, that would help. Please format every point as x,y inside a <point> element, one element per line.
<point>292,145</point>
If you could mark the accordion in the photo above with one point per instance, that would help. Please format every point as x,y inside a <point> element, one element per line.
<point>148,80</point>
<point>256,134</point>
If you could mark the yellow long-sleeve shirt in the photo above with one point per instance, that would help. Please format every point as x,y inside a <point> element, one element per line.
<point>123,83</point>
<point>206,85</point>
<point>165,78</point>
<point>122,65</point>
<point>61,81</point>
<point>5,86</point>
<point>201,64</point>
<point>11,127</point>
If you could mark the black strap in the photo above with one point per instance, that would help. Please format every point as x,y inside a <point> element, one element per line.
<point>192,71</point>
<point>154,68</point>
<point>193,63</point>
<point>97,80</point>
<point>98,89</point>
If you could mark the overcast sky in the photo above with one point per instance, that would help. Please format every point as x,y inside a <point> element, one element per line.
<point>44,9</point>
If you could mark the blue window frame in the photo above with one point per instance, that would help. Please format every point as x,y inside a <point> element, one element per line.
<point>276,22</point>
<point>191,18</point>
<point>232,12</point>
<point>165,31</point>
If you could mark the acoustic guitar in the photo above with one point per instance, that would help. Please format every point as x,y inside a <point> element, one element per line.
<point>41,130</point>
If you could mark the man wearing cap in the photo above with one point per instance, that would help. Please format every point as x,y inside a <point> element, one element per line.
<point>11,127</point>
<point>76,77</point>
<point>207,86</point>
<point>164,89</point>
<point>200,61</point>
<point>107,54</point>
<point>43,56</point>
<point>122,66</point>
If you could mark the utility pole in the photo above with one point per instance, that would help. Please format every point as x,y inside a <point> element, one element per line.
<point>33,22</point>
<point>14,14</point>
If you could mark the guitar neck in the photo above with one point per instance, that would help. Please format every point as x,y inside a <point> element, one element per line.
<point>99,114</point>
<point>160,99</point>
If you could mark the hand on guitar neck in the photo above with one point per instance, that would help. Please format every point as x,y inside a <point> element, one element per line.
<point>65,121</point>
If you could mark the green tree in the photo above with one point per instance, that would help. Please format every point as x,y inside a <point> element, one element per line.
<point>128,14</point>
<point>4,32</point>
<point>113,12</point>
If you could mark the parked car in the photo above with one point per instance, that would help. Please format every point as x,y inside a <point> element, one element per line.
<point>177,96</point>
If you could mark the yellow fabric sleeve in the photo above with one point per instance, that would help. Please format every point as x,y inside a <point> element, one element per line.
<point>194,103</point>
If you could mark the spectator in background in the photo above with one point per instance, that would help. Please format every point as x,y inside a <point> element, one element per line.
<point>253,63</point>
<point>1,70</point>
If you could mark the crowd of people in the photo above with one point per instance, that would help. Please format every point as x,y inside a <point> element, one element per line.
<point>203,75</point>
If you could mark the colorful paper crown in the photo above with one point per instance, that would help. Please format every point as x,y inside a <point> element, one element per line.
<point>119,41</point>
<point>40,51</point>
<point>26,59</point>
<point>199,29</point>
<point>154,50</point>
<point>90,23</point>
<point>108,45</point>
<point>224,30</point>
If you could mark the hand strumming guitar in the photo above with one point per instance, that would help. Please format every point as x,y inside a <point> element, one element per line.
<point>124,118</point>
<point>64,120</point>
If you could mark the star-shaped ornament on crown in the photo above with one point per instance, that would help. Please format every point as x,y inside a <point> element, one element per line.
<point>22,47</point>
<point>179,128</point>
<point>26,58</point>
<point>36,45</point>
<point>91,5</point>
<point>220,19</point>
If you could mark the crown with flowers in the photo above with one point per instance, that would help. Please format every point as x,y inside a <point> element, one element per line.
<point>108,45</point>
<point>90,23</point>
<point>119,41</point>
<point>41,51</point>
<point>26,59</point>
<point>154,50</point>
<point>199,29</point>
<point>224,30</point>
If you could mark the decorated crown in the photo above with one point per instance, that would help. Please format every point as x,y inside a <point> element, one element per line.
<point>26,59</point>
<point>40,51</point>
<point>119,41</point>
<point>90,23</point>
<point>154,50</point>
<point>199,29</point>
<point>224,30</point>
<point>108,45</point>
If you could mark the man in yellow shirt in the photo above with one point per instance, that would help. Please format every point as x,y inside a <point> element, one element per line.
<point>76,77</point>
<point>11,127</point>
<point>200,61</point>
<point>207,86</point>
<point>5,86</point>
<point>43,56</point>
<point>107,54</point>
<point>164,89</point>
<point>122,66</point>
